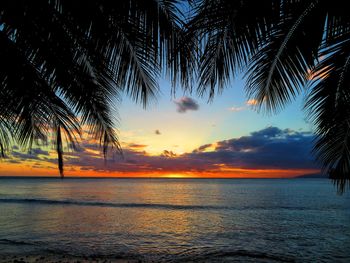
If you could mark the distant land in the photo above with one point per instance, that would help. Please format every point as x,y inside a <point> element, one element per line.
<point>312,176</point>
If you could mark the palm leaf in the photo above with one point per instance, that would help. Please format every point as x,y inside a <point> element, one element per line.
<point>328,107</point>
<point>278,72</point>
<point>67,68</point>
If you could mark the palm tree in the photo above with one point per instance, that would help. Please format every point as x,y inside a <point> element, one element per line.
<point>285,47</point>
<point>65,63</point>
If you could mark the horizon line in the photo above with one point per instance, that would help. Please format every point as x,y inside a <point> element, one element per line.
<point>157,178</point>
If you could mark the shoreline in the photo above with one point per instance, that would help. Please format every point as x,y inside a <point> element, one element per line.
<point>55,258</point>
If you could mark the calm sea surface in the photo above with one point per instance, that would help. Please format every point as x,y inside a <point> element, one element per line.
<point>277,220</point>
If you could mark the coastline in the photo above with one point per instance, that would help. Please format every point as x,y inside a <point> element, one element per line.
<point>55,258</point>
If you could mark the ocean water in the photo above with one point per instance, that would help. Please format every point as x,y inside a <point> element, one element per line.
<point>239,220</point>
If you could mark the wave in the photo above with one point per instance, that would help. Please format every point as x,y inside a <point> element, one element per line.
<point>107,204</point>
<point>14,242</point>
<point>148,205</point>
<point>195,256</point>
<point>236,254</point>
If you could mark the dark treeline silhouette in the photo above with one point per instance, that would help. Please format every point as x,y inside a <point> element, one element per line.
<point>64,63</point>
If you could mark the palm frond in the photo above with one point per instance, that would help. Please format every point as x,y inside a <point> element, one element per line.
<point>328,107</point>
<point>278,72</point>
<point>68,68</point>
<point>229,33</point>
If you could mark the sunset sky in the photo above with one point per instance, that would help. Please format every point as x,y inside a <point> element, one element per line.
<point>185,136</point>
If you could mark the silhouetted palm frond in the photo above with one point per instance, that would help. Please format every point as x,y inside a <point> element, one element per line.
<point>277,73</point>
<point>282,44</point>
<point>328,106</point>
<point>67,62</point>
<point>66,67</point>
<point>229,33</point>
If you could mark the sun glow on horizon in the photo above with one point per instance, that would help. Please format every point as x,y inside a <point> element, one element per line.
<point>174,175</point>
<point>242,157</point>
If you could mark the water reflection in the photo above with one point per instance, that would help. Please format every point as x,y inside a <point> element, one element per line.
<point>226,216</point>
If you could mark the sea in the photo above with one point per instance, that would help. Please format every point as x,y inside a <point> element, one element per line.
<point>176,220</point>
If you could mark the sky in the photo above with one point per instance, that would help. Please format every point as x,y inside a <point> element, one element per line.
<point>183,135</point>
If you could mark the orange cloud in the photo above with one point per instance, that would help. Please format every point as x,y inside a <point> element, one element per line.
<point>268,153</point>
<point>136,146</point>
<point>252,102</point>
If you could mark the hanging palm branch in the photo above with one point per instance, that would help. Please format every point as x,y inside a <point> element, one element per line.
<point>278,43</point>
<point>64,66</point>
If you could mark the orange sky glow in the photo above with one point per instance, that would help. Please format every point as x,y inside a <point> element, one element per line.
<point>268,153</point>
<point>26,170</point>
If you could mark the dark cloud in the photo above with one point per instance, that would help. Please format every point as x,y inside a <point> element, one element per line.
<point>168,154</point>
<point>37,151</point>
<point>202,148</point>
<point>157,132</point>
<point>267,148</point>
<point>270,132</point>
<point>22,156</point>
<point>33,154</point>
<point>13,161</point>
<point>185,103</point>
<point>270,148</point>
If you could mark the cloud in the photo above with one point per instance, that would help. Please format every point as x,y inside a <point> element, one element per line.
<point>33,154</point>
<point>251,102</point>
<point>185,103</point>
<point>13,161</point>
<point>269,148</point>
<point>270,132</point>
<point>236,109</point>
<point>157,132</point>
<point>136,146</point>
<point>37,151</point>
<point>168,154</point>
<point>202,148</point>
